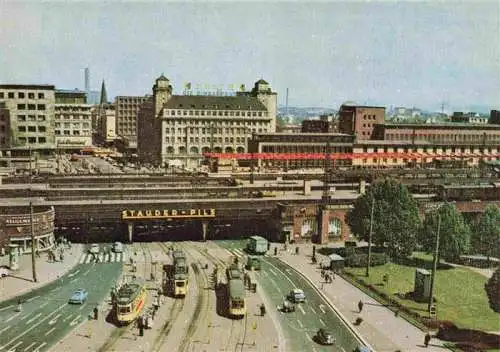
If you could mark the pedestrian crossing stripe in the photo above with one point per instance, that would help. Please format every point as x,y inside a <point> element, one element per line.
<point>235,252</point>
<point>103,258</point>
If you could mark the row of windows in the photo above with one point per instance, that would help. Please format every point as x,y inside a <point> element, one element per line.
<point>209,123</point>
<point>195,150</point>
<point>433,150</point>
<point>213,113</point>
<point>41,129</point>
<point>31,140</point>
<point>23,118</point>
<point>22,95</point>
<point>204,140</point>
<point>369,117</point>
<point>443,137</point>
<point>197,130</point>
<point>30,106</point>
<point>405,160</point>
<point>65,108</point>
<point>303,149</point>
<point>74,117</point>
<point>75,133</point>
<point>73,125</point>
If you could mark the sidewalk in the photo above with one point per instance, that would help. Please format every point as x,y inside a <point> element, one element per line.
<point>380,327</point>
<point>20,281</point>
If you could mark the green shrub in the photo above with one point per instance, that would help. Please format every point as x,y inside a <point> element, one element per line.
<point>360,260</point>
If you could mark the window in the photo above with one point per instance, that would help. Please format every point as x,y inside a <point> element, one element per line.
<point>21,117</point>
<point>42,129</point>
<point>31,95</point>
<point>31,107</point>
<point>76,133</point>
<point>66,132</point>
<point>31,140</point>
<point>41,118</point>
<point>2,95</point>
<point>21,95</point>
<point>32,118</point>
<point>41,106</point>
<point>41,140</point>
<point>11,96</point>
<point>31,128</point>
<point>21,128</point>
<point>41,96</point>
<point>22,140</point>
<point>20,106</point>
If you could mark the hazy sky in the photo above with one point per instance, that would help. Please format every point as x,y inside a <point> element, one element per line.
<point>391,53</point>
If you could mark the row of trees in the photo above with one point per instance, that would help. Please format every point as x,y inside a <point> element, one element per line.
<point>398,227</point>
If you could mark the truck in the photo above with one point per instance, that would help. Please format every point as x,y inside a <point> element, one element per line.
<point>257,245</point>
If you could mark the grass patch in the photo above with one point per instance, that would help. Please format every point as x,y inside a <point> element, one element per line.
<point>459,292</point>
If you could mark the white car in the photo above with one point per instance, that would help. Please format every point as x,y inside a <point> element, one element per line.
<point>4,272</point>
<point>94,249</point>
<point>297,296</point>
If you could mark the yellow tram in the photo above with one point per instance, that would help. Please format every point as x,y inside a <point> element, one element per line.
<point>237,302</point>
<point>180,274</point>
<point>130,300</point>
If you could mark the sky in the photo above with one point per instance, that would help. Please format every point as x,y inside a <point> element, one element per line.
<point>391,53</point>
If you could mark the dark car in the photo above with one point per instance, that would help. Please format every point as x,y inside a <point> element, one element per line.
<point>325,337</point>
<point>287,307</point>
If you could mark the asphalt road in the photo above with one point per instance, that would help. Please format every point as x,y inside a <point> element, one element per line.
<point>276,279</point>
<point>46,315</point>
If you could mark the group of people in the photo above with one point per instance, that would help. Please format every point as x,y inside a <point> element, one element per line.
<point>328,277</point>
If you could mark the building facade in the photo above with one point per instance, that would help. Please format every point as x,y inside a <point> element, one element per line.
<point>360,120</point>
<point>73,121</point>
<point>494,117</point>
<point>178,129</point>
<point>316,126</point>
<point>31,117</point>
<point>468,117</point>
<point>4,126</point>
<point>126,112</point>
<point>106,123</point>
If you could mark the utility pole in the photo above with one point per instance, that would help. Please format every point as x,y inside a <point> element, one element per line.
<point>434,264</point>
<point>368,262</point>
<point>31,171</point>
<point>33,257</point>
<point>326,170</point>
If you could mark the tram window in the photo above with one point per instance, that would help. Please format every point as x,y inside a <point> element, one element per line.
<point>179,284</point>
<point>124,310</point>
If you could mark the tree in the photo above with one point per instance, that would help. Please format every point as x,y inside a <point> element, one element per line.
<point>395,217</point>
<point>454,233</point>
<point>486,235</point>
<point>492,288</point>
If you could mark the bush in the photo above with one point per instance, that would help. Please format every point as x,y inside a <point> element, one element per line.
<point>360,260</point>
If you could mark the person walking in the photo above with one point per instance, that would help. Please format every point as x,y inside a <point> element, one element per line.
<point>96,313</point>
<point>19,306</point>
<point>360,305</point>
<point>427,339</point>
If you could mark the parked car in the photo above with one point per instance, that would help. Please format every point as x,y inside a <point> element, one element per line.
<point>297,296</point>
<point>325,337</point>
<point>4,272</point>
<point>94,248</point>
<point>79,296</point>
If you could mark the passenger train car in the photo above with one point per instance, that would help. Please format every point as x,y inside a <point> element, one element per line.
<point>130,300</point>
<point>237,302</point>
<point>180,274</point>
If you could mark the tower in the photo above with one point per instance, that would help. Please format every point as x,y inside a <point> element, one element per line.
<point>104,95</point>
<point>87,80</point>
<point>162,92</point>
<point>262,91</point>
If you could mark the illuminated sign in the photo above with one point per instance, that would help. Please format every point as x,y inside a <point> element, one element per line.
<point>167,214</point>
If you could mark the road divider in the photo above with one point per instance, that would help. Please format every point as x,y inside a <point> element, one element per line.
<point>40,347</point>
<point>53,321</point>
<point>29,346</point>
<point>50,331</point>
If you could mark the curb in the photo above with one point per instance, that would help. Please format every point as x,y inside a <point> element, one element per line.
<point>327,300</point>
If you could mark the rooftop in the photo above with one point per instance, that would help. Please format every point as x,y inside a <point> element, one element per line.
<point>28,86</point>
<point>214,103</point>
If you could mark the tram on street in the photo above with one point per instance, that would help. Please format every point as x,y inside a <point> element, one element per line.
<point>130,300</point>
<point>237,301</point>
<point>257,245</point>
<point>180,274</point>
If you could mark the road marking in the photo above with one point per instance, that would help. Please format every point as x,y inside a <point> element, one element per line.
<point>313,310</point>
<point>32,298</point>
<point>300,323</point>
<point>36,316</point>
<point>57,288</point>
<point>4,308</point>
<point>13,348</point>
<point>238,251</point>
<point>75,321</point>
<point>27,348</point>
<point>342,348</point>
<point>50,331</point>
<point>44,304</point>
<point>32,327</point>
<point>68,317</point>
<point>88,258</point>
<point>5,329</point>
<point>83,259</point>
<point>302,309</point>
<point>27,315</point>
<point>83,306</point>
<point>12,317</point>
<point>85,273</point>
<point>106,257</point>
<point>73,274</point>
<point>73,280</point>
<point>288,271</point>
<point>322,322</point>
<point>40,346</point>
<point>53,321</point>
<point>276,285</point>
<point>286,277</point>
<point>322,308</point>
<point>274,272</point>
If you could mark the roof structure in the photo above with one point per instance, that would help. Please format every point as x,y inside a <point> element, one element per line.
<point>236,288</point>
<point>201,102</point>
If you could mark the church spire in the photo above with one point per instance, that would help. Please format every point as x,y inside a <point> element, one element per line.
<point>104,95</point>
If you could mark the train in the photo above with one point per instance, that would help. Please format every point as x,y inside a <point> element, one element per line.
<point>130,300</point>
<point>180,274</point>
<point>257,245</point>
<point>236,292</point>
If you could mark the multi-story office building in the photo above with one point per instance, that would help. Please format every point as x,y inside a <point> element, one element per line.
<point>468,117</point>
<point>494,117</point>
<point>360,120</point>
<point>4,127</point>
<point>176,129</point>
<point>106,128</point>
<point>73,121</point>
<point>126,110</point>
<point>30,117</point>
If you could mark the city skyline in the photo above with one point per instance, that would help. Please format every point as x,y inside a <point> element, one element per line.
<point>383,53</point>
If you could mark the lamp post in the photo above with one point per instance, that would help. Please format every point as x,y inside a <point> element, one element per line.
<point>434,264</point>
<point>33,257</point>
<point>369,259</point>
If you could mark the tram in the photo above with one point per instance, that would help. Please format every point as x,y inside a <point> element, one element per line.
<point>180,274</point>
<point>257,245</point>
<point>237,302</point>
<point>130,300</point>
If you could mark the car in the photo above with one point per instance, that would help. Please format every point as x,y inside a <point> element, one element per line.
<point>297,296</point>
<point>325,337</point>
<point>94,249</point>
<point>117,247</point>
<point>4,272</point>
<point>79,296</point>
<point>287,307</point>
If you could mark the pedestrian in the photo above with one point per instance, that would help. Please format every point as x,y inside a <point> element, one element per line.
<point>427,339</point>
<point>327,278</point>
<point>322,273</point>
<point>275,250</point>
<point>96,313</point>
<point>19,306</point>
<point>360,306</point>
<point>262,310</point>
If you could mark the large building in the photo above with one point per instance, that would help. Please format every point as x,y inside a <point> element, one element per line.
<point>4,126</point>
<point>468,117</point>
<point>360,120</point>
<point>106,123</point>
<point>178,129</point>
<point>73,121</point>
<point>126,111</point>
<point>30,117</point>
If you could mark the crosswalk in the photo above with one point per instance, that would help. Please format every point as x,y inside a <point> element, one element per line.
<point>235,252</point>
<point>111,257</point>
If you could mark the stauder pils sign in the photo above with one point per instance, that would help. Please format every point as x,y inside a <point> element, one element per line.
<point>145,214</point>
